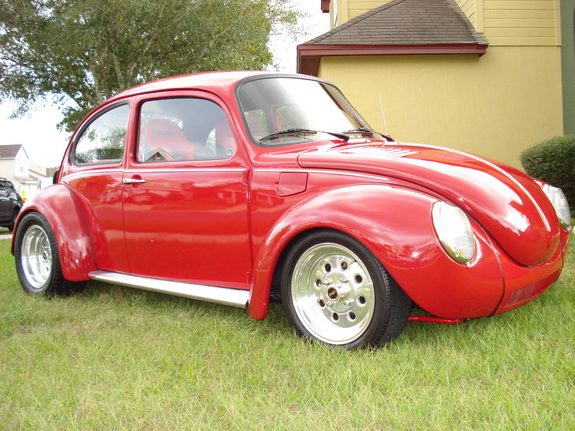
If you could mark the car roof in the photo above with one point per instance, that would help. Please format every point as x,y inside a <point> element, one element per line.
<point>215,81</point>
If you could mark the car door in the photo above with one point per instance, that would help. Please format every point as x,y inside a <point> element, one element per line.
<point>185,195</point>
<point>94,175</point>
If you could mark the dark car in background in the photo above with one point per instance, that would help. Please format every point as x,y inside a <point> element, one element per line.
<point>10,203</point>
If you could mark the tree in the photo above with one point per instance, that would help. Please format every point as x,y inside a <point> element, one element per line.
<point>86,51</point>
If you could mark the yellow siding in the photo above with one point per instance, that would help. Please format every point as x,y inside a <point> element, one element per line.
<point>358,7</point>
<point>513,102</point>
<point>342,11</point>
<point>522,22</point>
<point>473,10</point>
<point>504,22</point>
<point>469,9</point>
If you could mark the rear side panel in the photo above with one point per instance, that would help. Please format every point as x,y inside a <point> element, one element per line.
<point>59,207</point>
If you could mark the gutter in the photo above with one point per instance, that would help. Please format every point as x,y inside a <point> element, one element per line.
<point>309,56</point>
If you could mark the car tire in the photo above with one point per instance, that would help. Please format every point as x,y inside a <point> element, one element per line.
<point>38,260</point>
<point>335,291</point>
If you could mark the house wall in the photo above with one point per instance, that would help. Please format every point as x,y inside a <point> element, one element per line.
<point>568,64</point>
<point>338,12</point>
<point>349,9</point>
<point>496,105</point>
<point>473,9</point>
<point>17,170</point>
<point>7,169</point>
<point>521,22</point>
<point>21,164</point>
<point>504,22</point>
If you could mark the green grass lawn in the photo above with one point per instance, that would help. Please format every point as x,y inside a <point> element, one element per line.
<point>113,358</point>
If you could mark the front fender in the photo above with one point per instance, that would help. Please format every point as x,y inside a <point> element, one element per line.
<point>395,224</point>
<point>59,208</point>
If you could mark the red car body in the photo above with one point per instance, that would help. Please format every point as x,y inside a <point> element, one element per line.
<point>219,228</point>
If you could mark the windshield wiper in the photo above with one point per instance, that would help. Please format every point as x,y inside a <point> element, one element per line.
<point>302,132</point>
<point>368,132</point>
<point>361,130</point>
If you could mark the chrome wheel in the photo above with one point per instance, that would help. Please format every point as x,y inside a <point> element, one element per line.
<point>334,290</point>
<point>333,293</point>
<point>36,257</point>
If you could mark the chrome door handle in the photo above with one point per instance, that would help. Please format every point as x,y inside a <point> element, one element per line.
<point>133,181</point>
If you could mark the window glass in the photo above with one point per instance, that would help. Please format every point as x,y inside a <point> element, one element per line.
<point>289,117</point>
<point>103,141</point>
<point>274,105</point>
<point>183,129</point>
<point>257,123</point>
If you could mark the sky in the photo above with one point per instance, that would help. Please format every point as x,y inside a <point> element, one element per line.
<point>45,144</point>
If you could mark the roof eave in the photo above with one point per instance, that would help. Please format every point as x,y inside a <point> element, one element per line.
<point>309,56</point>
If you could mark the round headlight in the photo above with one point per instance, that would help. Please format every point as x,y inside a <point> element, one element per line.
<point>454,231</point>
<point>559,201</point>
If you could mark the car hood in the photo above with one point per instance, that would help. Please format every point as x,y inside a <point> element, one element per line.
<point>507,203</point>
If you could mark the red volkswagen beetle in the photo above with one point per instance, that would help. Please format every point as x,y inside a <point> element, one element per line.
<point>242,187</point>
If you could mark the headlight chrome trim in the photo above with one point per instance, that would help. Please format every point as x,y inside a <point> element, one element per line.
<point>560,204</point>
<point>454,231</point>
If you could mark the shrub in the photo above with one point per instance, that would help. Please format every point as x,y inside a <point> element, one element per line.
<point>553,161</point>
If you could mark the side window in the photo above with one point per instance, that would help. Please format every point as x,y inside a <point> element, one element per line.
<point>183,128</point>
<point>104,139</point>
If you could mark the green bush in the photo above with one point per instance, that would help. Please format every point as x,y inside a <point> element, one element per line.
<point>553,161</point>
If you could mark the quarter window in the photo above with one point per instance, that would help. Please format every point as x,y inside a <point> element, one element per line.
<point>104,139</point>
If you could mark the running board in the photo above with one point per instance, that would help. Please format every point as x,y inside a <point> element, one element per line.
<point>219,295</point>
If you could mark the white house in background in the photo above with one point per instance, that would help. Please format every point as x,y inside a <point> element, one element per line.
<point>27,177</point>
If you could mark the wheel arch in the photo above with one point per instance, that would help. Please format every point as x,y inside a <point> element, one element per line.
<point>378,227</point>
<point>281,261</point>
<point>58,206</point>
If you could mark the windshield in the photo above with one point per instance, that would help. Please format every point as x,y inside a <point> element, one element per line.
<point>284,111</point>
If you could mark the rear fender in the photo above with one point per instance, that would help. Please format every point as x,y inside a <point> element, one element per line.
<point>59,208</point>
<point>395,224</point>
